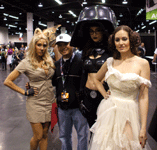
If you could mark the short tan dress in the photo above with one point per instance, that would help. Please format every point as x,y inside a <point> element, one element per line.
<point>38,108</point>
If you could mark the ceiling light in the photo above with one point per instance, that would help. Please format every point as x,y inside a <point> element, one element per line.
<point>11,16</point>
<point>152,22</point>
<point>60,16</point>
<point>5,14</point>
<point>84,3</point>
<point>68,21</point>
<point>72,13</point>
<point>59,2</point>
<point>137,30</point>
<point>140,11</point>
<point>103,1</point>
<point>2,7</point>
<point>12,26</point>
<point>40,5</point>
<point>5,18</point>
<point>42,24</point>
<point>143,27</point>
<point>121,15</point>
<point>124,2</point>
<point>53,12</point>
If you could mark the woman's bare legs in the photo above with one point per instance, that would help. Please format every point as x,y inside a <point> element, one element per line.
<point>39,136</point>
<point>43,143</point>
<point>128,132</point>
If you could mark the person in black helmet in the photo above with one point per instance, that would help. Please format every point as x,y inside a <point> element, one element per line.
<point>95,24</point>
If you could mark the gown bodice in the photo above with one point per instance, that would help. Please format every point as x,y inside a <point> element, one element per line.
<point>124,85</point>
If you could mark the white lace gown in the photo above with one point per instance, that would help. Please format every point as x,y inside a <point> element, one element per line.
<point>117,126</point>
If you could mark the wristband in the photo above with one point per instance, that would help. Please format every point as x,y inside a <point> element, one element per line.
<point>29,92</point>
<point>25,93</point>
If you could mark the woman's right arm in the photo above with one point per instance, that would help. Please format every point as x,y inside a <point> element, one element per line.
<point>9,82</point>
<point>98,80</point>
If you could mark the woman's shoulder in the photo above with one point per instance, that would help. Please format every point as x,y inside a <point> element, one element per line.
<point>25,60</point>
<point>141,60</point>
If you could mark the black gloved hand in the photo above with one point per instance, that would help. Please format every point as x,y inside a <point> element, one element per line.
<point>29,92</point>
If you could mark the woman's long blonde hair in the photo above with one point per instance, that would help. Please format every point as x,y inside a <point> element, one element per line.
<point>47,60</point>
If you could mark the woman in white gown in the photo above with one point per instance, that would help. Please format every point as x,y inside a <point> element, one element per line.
<point>122,115</point>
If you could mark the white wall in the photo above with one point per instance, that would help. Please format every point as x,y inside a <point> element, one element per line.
<point>4,35</point>
<point>15,38</point>
<point>5,38</point>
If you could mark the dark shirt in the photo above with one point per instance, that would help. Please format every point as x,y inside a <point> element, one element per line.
<point>72,83</point>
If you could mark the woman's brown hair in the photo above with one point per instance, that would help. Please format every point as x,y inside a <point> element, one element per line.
<point>134,38</point>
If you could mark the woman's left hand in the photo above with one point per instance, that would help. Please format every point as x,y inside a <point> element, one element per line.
<point>143,138</point>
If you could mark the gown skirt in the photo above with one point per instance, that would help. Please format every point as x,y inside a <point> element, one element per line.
<point>117,126</point>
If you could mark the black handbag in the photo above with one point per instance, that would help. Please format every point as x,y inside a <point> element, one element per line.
<point>152,129</point>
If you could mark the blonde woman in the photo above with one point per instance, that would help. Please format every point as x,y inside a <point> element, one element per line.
<point>39,68</point>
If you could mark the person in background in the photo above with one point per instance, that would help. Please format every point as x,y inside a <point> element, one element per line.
<point>3,60</point>
<point>3,57</point>
<point>155,56</point>
<point>121,117</point>
<point>16,58</point>
<point>39,68</point>
<point>9,56</point>
<point>22,48</point>
<point>21,54</point>
<point>142,50</point>
<point>90,36</point>
<point>67,79</point>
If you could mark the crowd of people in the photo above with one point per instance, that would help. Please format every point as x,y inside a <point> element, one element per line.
<point>11,56</point>
<point>94,88</point>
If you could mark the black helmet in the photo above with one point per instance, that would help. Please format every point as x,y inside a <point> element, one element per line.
<point>98,14</point>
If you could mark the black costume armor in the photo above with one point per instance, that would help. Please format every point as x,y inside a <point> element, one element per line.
<point>93,65</point>
<point>103,17</point>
